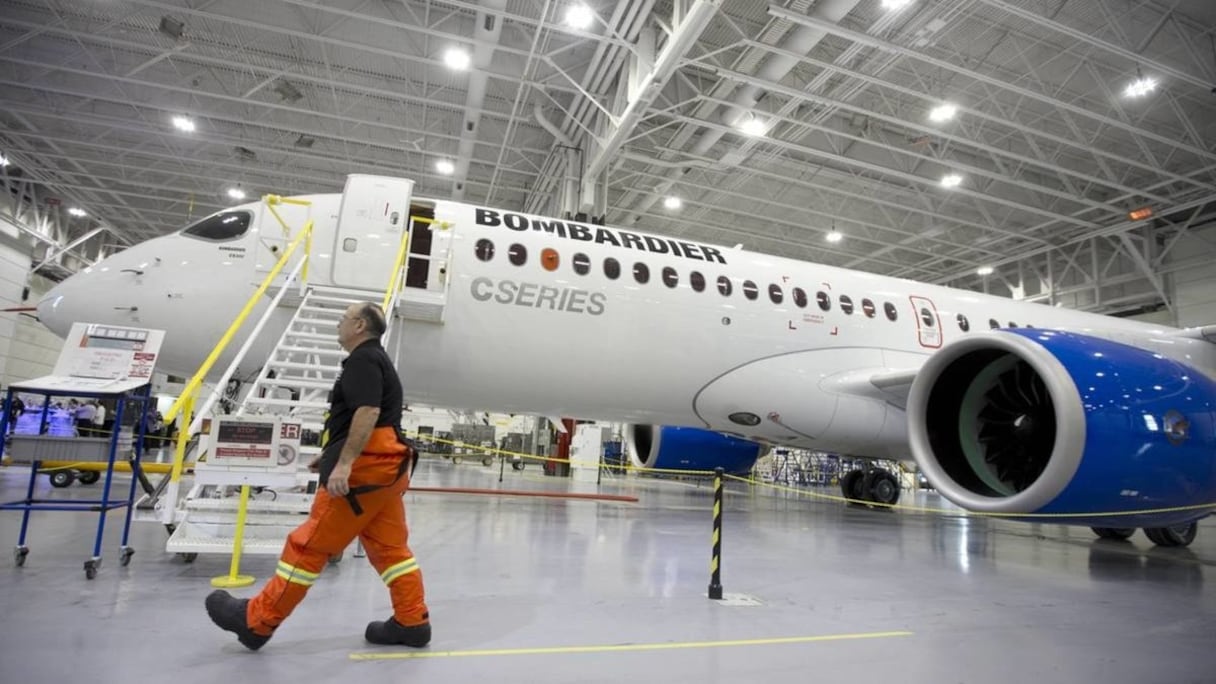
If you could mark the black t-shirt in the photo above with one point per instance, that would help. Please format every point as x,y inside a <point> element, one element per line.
<point>367,379</point>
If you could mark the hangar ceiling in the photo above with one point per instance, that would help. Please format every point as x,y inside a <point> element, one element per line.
<point>650,101</point>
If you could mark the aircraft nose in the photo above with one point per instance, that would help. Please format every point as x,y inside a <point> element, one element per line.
<point>53,311</point>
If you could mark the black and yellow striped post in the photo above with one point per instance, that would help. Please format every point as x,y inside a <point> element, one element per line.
<point>715,561</point>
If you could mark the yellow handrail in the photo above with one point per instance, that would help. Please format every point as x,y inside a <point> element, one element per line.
<point>402,254</point>
<point>197,379</point>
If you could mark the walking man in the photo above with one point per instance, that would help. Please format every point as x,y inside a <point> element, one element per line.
<point>363,470</point>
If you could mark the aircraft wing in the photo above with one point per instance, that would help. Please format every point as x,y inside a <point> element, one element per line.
<point>884,384</point>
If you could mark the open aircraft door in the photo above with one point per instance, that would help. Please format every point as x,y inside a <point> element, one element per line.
<point>428,269</point>
<point>928,323</point>
<point>371,223</point>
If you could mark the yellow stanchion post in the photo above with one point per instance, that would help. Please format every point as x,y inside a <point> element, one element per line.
<point>233,578</point>
<point>715,561</point>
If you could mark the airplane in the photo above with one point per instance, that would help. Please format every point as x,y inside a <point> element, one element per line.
<point>1009,408</point>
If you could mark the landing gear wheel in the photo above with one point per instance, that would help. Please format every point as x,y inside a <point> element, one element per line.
<point>1120,533</point>
<point>125,559</point>
<point>90,567</point>
<point>89,477</point>
<point>62,478</point>
<point>881,487</point>
<point>188,557</point>
<point>852,486</point>
<point>1178,535</point>
<point>19,555</point>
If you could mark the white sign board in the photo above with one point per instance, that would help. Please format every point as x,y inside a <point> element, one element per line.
<point>102,358</point>
<point>264,442</point>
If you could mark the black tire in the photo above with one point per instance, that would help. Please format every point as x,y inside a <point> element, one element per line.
<point>881,487</point>
<point>518,465</point>
<point>1178,535</point>
<point>188,557</point>
<point>852,486</point>
<point>487,461</point>
<point>62,478</point>
<point>89,477</point>
<point>1120,533</point>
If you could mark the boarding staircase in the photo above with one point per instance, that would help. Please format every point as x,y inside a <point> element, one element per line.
<point>294,384</point>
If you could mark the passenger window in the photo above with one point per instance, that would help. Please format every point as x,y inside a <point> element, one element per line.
<point>892,314</point>
<point>846,305</point>
<point>724,286</point>
<point>1012,324</point>
<point>825,302</point>
<point>582,264</point>
<point>750,290</point>
<point>670,277</point>
<point>774,293</point>
<point>641,273</point>
<point>517,254</point>
<point>484,250</point>
<point>800,297</point>
<point>963,323</point>
<point>926,317</point>
<point>549,260</point>
<point>222,226</point>
<point>612,268</point>
<point>867,308</point>
<point>992,323</point>
<point>697,281</point>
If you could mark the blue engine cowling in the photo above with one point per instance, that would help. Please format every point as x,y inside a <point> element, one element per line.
<point>1044,422</point>
<point>684,448</point>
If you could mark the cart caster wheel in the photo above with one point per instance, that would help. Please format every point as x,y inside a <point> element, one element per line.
<point>455,459</point>
<point>90,567</point>
<point>517,466</point>
<point>19,555</point>
<point>62,478</point>
<point>188,557</point>
<point>125,559</point>
<point>89,477</point>
<point>487,461</point>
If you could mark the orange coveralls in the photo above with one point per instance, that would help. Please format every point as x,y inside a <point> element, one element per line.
<point>332,525</point>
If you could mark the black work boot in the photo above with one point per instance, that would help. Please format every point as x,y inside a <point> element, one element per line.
<point>390,632</point>
<point>229,613</point>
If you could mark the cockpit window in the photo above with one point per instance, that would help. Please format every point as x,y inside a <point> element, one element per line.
<point>223,226</point>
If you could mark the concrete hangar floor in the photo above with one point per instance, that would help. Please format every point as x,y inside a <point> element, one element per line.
<point>544,590</point>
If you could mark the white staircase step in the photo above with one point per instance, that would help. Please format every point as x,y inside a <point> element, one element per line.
<point>290,383</point>
<point>294,349</point>
<point>316,336</point>
<point>295,365</point>
<point>191,537</point>
<point>271,401</point>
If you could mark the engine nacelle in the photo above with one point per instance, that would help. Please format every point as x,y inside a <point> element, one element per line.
<point>1039,421</point>
<point>684,448</point>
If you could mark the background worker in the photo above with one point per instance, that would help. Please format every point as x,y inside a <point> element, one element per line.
<point>363,474</point>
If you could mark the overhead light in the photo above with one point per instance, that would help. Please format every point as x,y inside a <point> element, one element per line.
<point>984,270</point>
<point>172,27</point>
<point>753,126</point>
<point>1140,87</point>
<point>951,180</point>
<point>456,58</point>
<point>3,160</point>
<point>943,112</point>
<point>579,16</point>
<point>183,123</point>
<point>77,211</point>
<point>445,167</point>
<point>1139,214</point>
<point>895,4</point>
<point>236,193</point>
<point>834,236</point>
<point>673,202</point>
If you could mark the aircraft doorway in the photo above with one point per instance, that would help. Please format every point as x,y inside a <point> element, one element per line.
<point>371,224</point>
<point>928,323</point>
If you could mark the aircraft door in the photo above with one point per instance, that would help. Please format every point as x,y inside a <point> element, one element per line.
<point>372,221</point>
<point>928,323</point>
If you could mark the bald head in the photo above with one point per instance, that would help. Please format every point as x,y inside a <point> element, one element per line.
<point>362,321</point>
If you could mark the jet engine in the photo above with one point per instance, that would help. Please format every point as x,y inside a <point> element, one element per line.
<point>684,448</point>
<point>1097,432</point>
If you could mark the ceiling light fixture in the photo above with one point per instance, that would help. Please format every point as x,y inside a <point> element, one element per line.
<point>183,123</point>
<point>673,202</point>
<point>3,160</point>
<point>984,270</point>
<point>77,211</point>
<point>236,193</point>
<point>951,180</point>
<point>1140,87</point>
<point>445,167</point>
<point>456,58</point>
<point>834,236</point>
<point>753,126</point>
<point>895,4</point>
<point>579,17</point>
<point>943,112</point>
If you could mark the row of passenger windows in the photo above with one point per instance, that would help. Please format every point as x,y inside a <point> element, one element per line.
<point>517,254</point>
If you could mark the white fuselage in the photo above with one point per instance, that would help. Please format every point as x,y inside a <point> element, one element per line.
<point>540,338</point>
